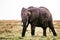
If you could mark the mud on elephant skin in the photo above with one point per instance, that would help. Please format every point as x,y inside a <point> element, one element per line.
<point>40,17</point>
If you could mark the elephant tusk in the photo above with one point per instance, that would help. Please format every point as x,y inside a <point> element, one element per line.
<point>26,23</point>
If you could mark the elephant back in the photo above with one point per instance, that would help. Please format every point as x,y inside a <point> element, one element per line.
<point>46,12</point>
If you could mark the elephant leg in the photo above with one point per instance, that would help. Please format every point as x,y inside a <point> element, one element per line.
<point>23,31</point>
<point>32,30</point>
<point>44,31</point>
<point>52,29</point>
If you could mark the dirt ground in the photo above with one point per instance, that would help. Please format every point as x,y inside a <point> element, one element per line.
<point>12,29</point>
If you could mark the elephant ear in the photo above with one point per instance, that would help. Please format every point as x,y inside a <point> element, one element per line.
<point>29,13</point>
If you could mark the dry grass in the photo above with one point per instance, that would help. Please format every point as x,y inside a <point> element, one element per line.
<point>11,30</point>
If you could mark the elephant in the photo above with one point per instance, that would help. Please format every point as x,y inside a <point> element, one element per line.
<point>37,17</point>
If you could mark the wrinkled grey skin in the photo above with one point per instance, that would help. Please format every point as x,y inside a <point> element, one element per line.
<point>40,17</point>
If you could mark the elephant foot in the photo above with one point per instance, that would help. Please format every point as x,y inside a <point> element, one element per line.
<point>23,35</point>
<point>32,34</point>
<point>44,35</point>
<point>55,34</point>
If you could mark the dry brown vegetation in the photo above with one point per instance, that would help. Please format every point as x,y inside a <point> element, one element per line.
<point>11,30</point>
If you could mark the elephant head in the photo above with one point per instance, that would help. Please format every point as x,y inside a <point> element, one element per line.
<point>25,14</point>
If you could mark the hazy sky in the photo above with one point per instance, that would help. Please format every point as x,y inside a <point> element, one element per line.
<point>11,9</point>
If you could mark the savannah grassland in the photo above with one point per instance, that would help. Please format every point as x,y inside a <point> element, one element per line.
<point>12,30</point>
